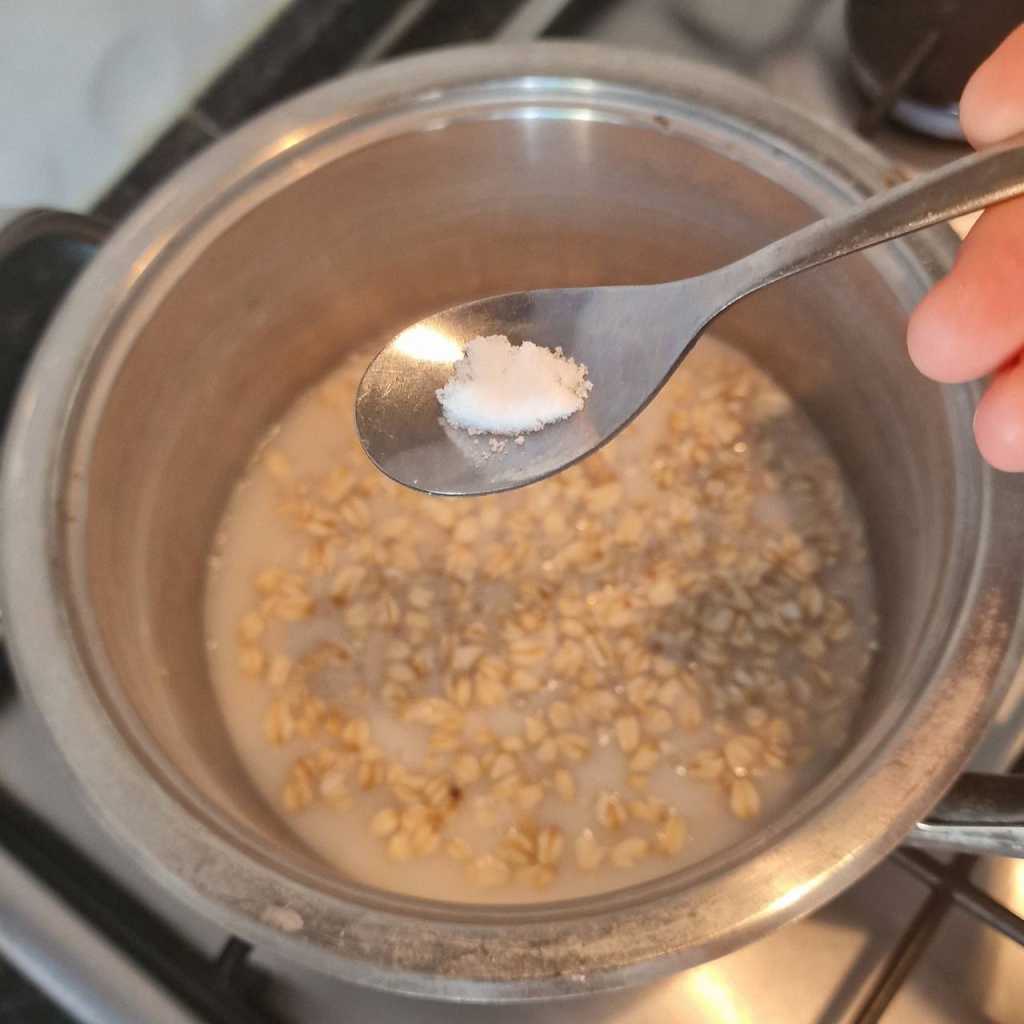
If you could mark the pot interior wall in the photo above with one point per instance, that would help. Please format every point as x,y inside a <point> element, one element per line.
<point>358,248</point>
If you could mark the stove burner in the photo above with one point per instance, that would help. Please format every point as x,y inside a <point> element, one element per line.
<point>912,58</point>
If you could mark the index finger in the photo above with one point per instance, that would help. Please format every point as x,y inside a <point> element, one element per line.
<point>972,322</point>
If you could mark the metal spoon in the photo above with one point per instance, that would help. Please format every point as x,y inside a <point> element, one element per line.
<point>630,338</point>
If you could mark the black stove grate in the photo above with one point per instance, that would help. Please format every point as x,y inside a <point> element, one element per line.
<point>950,887</point>
<point>312,41</point>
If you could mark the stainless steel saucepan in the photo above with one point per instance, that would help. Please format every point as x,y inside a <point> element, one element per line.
<point>332,221</point>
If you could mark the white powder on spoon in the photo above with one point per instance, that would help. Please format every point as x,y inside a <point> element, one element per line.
<point>500,388</point>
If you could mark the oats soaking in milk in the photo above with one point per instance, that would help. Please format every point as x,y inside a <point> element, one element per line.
<point>556,691</point>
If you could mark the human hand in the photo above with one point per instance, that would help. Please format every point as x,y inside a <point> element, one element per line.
<point>971,324</point>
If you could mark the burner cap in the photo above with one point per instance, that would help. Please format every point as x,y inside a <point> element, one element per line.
<point>919,54</point>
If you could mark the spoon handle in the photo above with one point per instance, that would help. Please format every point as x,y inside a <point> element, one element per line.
<point>972,183</point>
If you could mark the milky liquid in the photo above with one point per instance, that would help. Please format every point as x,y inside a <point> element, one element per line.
<point>680,514</point>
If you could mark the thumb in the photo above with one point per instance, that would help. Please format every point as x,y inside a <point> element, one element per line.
<point>992,106</point>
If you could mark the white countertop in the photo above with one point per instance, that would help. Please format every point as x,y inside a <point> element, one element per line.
<point>87,85</point>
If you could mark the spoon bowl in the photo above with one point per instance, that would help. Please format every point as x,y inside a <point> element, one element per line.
<point>399,419</point>
<point>630,338</point>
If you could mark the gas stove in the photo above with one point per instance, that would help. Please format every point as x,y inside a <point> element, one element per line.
<point>919,940</point>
